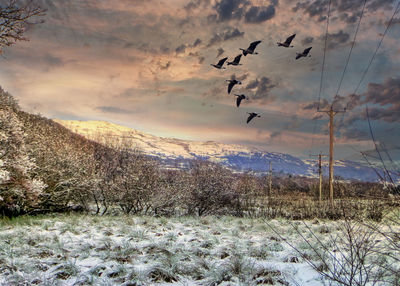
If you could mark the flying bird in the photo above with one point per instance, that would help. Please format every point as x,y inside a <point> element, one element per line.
<point>251,48</point>
<point>220,64</point>
<point>251,116</point>
<point>232,83</point>
<point>287,43</point>
<point>236,61</point>
<point>239,99</point>
<point>304,53</point>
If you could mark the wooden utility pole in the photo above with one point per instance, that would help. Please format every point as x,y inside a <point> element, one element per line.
<point>320,174</point>
<point>331,113</point>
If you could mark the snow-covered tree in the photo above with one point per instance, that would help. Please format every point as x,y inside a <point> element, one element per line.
<point>19,191</point>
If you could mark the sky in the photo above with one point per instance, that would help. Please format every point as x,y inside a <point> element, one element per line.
<point>146,65</point>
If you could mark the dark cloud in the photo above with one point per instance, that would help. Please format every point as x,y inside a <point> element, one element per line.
<point>395,21</point>
<point>383,100</point>
<point>128,93</point>
<point>214,40</point>
<point>259,14</point>
<point>275,135</point>
<point>194,4</point>
<point>355,133</point>
<point>227,34</point>
<point>314,105</point>
<point>220,51</point>
<point>292,124</point>
<point>385,94</point>
<point>197,42</point>
<point>198,56</point>
<point>350,18</point>
<point>307,40</point>
<point>53,61</point>
<point>339,102</point>
<point>215,91</point>
<point>337,39</point>
<point>113,109</point>
<point>352,101</point>
<point>261,88</point>
<point>232,34</point>
<point>166,66</point>
<point>386,4</point>
<point>230,9</point>
<point>127,45</point>
<point>316,9</point>
<point>348,9</point>
<point>317,116</point>
<point>164,49</point>
<point>243,9</point>
<point>240,78</point>
<point>181,49</point>
<point>389,114</point>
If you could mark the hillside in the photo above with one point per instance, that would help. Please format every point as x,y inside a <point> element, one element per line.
<point>176,152</point>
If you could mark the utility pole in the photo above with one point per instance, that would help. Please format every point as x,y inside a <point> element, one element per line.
<point>331,113</point>
<point>320,174</point>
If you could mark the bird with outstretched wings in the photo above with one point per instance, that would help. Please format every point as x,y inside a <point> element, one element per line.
<point>232,83</point>
<point>236,61</point>
<point>251,48</point>
<point>220,64</point>
<point>239,99</point>
<point>288,41</point>
<point>251,116</point>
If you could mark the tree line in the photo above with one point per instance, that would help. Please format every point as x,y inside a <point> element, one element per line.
<point>44,167</point>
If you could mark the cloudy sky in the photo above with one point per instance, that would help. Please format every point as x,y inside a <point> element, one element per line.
<point>146,65</point>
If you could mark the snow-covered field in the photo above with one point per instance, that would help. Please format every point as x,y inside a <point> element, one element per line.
<point>126,250</point>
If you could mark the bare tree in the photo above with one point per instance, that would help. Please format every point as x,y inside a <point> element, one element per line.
<point>246,194</point>
<point>210,190</point>
<point>351,257</point>
<point>15,16</point>
<point>134,179</point>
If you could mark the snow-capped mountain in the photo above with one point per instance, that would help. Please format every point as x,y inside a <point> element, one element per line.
<point>178,153</point>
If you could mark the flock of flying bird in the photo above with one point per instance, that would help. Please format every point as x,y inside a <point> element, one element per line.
<point>251,50</point>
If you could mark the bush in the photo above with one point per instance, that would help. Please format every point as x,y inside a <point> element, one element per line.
<point>210,189</point>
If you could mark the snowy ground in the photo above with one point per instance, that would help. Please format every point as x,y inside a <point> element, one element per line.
<point>127,250</point>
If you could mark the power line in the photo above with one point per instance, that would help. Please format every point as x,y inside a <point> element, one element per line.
<point>372,58</point>
<point>351,49</point>
<point>323,60</point>
<point>322,73</point>
<point>377,48</point>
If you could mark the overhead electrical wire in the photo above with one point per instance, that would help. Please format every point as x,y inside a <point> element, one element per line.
<point>377,48</point>
<point>371,59</point>
<point>323,59</point>
<point>322,74</point>
<point>351,49</point>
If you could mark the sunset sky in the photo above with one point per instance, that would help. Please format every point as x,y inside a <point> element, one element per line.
<point>146,65</point>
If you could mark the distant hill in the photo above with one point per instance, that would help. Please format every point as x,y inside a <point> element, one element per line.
<point>177,153</point>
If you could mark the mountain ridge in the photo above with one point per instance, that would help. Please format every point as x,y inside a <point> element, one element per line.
<point>178,153</point>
